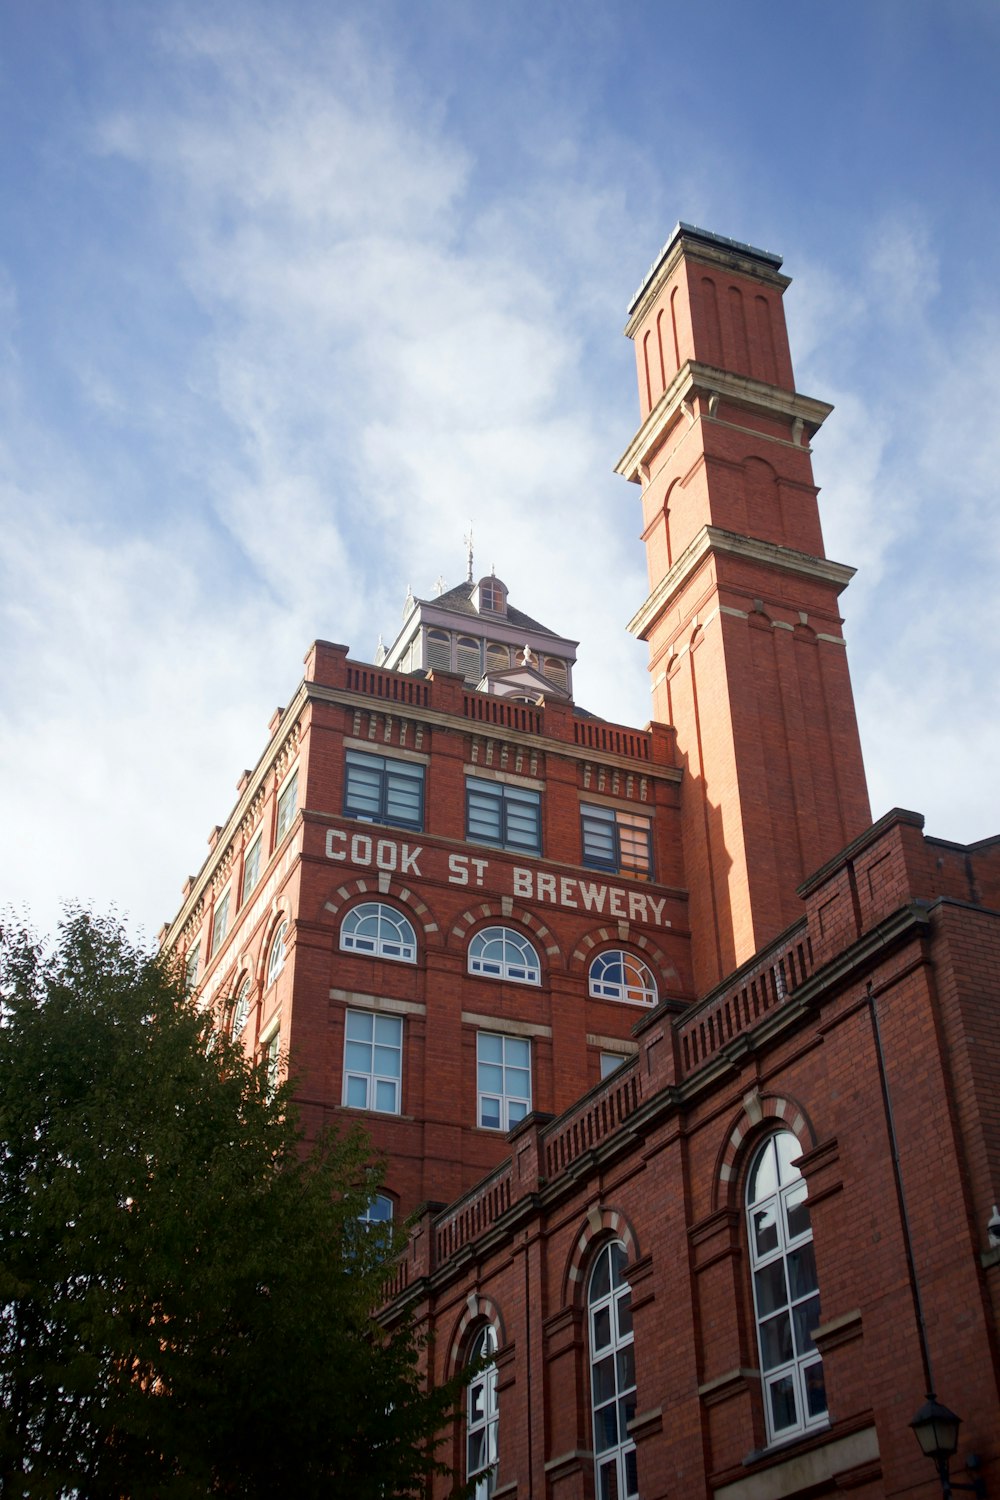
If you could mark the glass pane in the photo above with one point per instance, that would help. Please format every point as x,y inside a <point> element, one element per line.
<point>624,1307</point>
<point>387,1062</point>
<point>388,1030</point>
<point>601,1326</point>
<point>801,1271</point>
<point>631,1473</point>
<point>769,1285</point>
<point>626,1411</point>
<point>600,1284</point>
<point>518,1083</point>
<point>518,1052</point>
<point>606,1427</point>
<point>608,1481</point>
<point>516,1110</point>
<point>489,1114</point>
<point>490,1078</point>
<point>765,1229</point>
<point>781,1396</point>
<point>477,1409</point>
<point>618,1259</point>
<point>357,1093</point>
<point>797,1211</point>
<point>763,1178</point>
<point>788,1150</point>
<point>385,1097</point>
<point>477,1451</point>
<point>358,1057</point>
<point>776,1341</point>
<point>490,1048</point>
<point>806,1317</point>
<point>604,1380</point>
<point>359,1025</point>
<point>626,1368</point>
<point>815,1389</point>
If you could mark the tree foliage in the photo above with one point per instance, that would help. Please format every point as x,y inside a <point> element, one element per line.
<point>185,1289</point>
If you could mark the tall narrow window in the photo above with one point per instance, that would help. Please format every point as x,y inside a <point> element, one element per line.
<point>191,965</point>
<point>373,1061</point>
<point>504,1080</point>
<point>241,1010</point>
<point>251,868</point>
<point>220,920</point>
<point>273,1063</point>
<point>785,1289</point>
<point>482,1416</point>
<point>276,960</point>
<point>286,805</point>
<point>612,1375</point>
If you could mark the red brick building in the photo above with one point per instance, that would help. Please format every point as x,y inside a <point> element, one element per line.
<point>692,1074</point>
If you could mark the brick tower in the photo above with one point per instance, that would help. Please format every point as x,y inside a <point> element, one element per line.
<point>743,624</point>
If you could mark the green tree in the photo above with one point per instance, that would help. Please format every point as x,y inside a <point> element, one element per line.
<point>185,1289</point>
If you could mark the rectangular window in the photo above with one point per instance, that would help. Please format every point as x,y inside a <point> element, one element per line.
<point>191,966</point>
<point>220,921</point>
<point>273,1063</point>
<point>384,790</point>
<point>373,1061</point>
<point>286,806</point>
<point>503,1074</point>
<point>510,817</point>
<point>251,868</point>
<point>617,841</point>
<point>610,1063</point>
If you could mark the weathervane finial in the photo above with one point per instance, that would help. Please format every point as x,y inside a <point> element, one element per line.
<point>468,544</point>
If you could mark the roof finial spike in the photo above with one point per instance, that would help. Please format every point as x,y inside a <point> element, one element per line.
<point>439,584</point>
<point>468,545</point>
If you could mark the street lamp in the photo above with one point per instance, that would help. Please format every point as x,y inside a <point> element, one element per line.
<point>936,1430</point>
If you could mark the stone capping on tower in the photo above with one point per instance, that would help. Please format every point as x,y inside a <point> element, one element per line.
<point>754,549</point>
<point>765,264</point>
<point>692,378</point>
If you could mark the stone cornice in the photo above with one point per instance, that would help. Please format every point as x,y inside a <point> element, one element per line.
<point>689,243</point>
<point>694,378</point>
<point>713,539</point>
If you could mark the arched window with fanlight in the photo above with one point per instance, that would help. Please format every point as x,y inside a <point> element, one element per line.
<point>785,1289</point>
<point>612,1374</point>
<point>619,975</point>
<point>374,927</point>
<point>276,957</point>
<point>482,1415</point>
<point>241,1009</point>
<point>502,953</point>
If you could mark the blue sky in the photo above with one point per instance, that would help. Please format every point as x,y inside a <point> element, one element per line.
<point>290,293</point>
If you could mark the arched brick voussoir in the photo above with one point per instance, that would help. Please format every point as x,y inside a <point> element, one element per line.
<point>600,1225</point>
<point>379,888</point>
<point>505,914</point>
<point>477,1310</point>
<point>747,1127</point>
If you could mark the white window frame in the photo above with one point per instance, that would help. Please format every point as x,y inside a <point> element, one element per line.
<point>482,1416</point>
<point>609,840</point>
<point>785,1288</point>
<point>221,914</point>
<point>612,1375</point>
<point>517,959</point>
<point>276,953</point>
<point>252,863</point>
<point>382,1035</point>
<point>497,1089</point>
<point>241,1009</point>
<point>393,935</point>
<point>288,805</point>
<point>636,986</point>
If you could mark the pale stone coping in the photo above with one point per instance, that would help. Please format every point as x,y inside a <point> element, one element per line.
<point>714,539</point>
<point>379,747</point>
<point>508,1027</point>
<point>267,1032</point>
<point>741,389</point>
<point>512,778</point>
<point>380,1002</point>
<point>803,1470</point>
<point>613,1044</point>
<point>687,243</point>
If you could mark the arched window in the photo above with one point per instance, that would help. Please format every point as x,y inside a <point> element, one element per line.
<point>241,1010</point>
<point>482,1416</point>
<point>376,928</point>
<point>785,1289</point>
<point>612,1374</point>
<point>617,975</point>
<point>503,953</point>
<point>276,959</point>
<point>379,1211</point>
